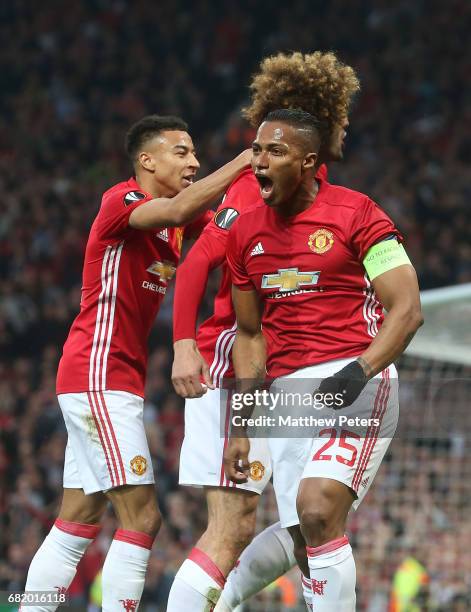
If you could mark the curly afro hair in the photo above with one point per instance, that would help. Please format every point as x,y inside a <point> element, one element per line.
<point>318,83</point>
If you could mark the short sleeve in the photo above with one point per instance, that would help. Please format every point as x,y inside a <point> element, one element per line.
<point>369,224</point>
<point>242,192</point>
<point>116,208</point>
<point>235,261</point>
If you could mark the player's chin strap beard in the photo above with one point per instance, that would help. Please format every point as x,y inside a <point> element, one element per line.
<point>348,382</point>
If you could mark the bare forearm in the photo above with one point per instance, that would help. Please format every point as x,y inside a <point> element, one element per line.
<point>249,351</point>
<point>249,358</point>
<point>191,202</point>
<point>194,200</point>
<point>398,329</point>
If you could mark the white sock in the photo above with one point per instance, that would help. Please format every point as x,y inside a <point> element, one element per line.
<point>197,585</point>
<point>266,558</point>
<point>124,570</point>
<point>333,576</point>
<point>307,591</point>
<point>54,565</point>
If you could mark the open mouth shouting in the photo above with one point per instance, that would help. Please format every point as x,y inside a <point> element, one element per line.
<point>266,185</point>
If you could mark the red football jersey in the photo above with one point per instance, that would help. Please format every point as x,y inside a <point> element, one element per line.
<point>216,335</point>
<point>307,269</point>
<point>125,277</point>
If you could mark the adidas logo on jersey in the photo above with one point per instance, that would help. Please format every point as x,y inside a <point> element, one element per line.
<point>258,249</point>
<point>163,234</point>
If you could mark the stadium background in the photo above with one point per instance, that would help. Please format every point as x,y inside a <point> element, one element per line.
<point>73,77</point>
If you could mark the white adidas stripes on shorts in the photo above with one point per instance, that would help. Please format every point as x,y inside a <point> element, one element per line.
<point>334,452</point>
<point>107,445</point>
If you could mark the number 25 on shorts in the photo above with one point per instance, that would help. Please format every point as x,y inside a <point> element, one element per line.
<point>347,458</point>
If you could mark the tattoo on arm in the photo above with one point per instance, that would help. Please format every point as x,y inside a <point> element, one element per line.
<point>253,378</point>
<point>367,369</point>
<point>258,370</point>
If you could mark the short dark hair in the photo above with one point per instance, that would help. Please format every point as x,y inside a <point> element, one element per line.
<point>149,127</point>
<point>298,118</point>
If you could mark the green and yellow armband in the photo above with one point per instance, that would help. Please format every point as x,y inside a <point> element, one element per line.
<point>384,256</point>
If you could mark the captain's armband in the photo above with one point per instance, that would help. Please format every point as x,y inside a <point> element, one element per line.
<point>384,256</point>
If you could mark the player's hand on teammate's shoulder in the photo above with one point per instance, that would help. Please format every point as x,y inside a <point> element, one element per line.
<point>236,458</point>
<point>245,158</point>
<point>188,368</point>
<point>344,387</point>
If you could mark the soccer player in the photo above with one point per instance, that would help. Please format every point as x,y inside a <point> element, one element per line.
<point>321,84</point>
<point>132,252</point>
<point>330,260</point>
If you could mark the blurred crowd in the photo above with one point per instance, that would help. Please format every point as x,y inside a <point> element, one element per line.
<point>73,78</point>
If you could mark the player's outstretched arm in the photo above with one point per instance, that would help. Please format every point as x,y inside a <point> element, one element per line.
<point>249,358</point>
<point>192,201</point>
<point>188,364</point>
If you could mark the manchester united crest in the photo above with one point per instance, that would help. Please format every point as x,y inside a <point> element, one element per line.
<point>139,465</point>
<point>257,470</point>
<point>130,605</point>
<point>321,241</point>
<point>212,595</point>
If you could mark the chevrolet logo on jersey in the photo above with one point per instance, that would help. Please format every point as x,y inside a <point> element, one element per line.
<point>165,270</point>
<point>289,279</point>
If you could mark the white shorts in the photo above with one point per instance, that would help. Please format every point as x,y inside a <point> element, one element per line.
<point>107,445</point>
<point>335,452</point>
<point>201,458</point>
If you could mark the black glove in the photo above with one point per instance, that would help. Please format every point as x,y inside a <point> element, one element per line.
<point>348,382</point>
